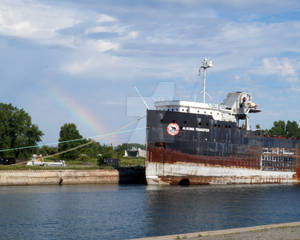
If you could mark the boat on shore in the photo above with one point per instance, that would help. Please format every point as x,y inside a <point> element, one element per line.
<point>199,143</point>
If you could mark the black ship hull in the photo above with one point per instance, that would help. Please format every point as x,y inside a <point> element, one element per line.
<point>196,149</point>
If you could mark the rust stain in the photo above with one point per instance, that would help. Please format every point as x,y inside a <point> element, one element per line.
<point>162,155</point>
<point>206,180</point>
<point>297,164</point>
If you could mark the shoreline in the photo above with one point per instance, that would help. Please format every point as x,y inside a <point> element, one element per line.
<point>267,232</point>
<point>122,175</point>
<point>57,177</point>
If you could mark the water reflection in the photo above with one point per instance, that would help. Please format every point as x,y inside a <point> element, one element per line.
<point>172,210</point>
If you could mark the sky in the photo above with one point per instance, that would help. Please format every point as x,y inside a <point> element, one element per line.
<point>66,61</point>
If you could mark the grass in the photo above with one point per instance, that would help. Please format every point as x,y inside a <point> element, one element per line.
<point>77,164</point>
<point>131,162</point>
<point>24,167</point>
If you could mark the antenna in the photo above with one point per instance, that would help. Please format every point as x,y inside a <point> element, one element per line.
<point>138,92</point>
<point>204,66</point>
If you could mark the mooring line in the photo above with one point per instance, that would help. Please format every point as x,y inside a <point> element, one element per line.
<point>119,131</point>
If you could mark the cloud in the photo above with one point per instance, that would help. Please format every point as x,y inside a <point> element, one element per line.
<point>104,18</point>
<point>36,21</point>
<point>102,45</point>
<point>106,29</point>
<point>279,66</point>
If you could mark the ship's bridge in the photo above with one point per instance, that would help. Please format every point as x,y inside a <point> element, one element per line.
<point>218,112</point>
<point>235,107</point>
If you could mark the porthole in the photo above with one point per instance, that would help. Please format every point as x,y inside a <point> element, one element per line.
<point>185,122</point>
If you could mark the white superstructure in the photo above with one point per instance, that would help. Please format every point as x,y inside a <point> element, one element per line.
<point>235,107</point>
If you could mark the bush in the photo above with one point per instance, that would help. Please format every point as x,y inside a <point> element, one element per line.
<point>83,158</point>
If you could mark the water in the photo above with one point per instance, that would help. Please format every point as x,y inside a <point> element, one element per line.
<point>131,211</point>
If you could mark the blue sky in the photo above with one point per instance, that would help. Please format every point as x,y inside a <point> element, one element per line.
<point>61,60</point>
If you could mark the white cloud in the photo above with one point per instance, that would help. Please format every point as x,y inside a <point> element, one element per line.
<point>106,29</point>
<point>133,35</point>
<point>96,63</point>
<point>103,45</point>
<point>105,18</point>
<point>282,66</point>
<point>36,21</point>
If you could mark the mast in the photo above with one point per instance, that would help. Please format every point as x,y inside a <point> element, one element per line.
<point>204,66</point>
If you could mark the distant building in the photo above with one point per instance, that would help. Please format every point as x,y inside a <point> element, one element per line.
<point>135,152</point>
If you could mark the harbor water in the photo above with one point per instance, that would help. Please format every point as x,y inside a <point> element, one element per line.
<point>132,211</point>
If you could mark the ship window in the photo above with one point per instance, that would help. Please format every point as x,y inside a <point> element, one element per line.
<point>207,124</point>
<point>217,113</point>
<point>172,110</point>
<point>185,122</point>
<point>219,125</point>
<point>161,120</point>
<point>173,121</point>
<point>199,123</point>
<point>210,112</point>
<point>204,111</point>
<point>176,109</point>
<point>215,125</point>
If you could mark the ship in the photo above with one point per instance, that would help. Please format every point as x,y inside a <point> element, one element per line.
<point>191,142</point>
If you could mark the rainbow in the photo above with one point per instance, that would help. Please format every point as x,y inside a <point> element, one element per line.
<point>82,114</point>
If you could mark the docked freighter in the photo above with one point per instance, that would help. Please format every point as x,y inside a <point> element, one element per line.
<point>200,143</point>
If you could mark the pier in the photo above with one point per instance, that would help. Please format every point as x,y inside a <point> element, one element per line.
<point>266,232</point>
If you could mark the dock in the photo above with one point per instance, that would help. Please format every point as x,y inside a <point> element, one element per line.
<point>267,232</point>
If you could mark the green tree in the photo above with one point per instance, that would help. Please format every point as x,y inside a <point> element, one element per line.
<point>91,150</point>
<point>17,130</point>
<point>47,150</point>
<point>292,129</point>
<point>69,132</point>
<point>107,151</point>
<point>278,128</point>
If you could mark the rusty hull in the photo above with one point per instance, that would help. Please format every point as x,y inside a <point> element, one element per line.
<point>166,158</point>
<point>163,155</point>
<point>297,164</point>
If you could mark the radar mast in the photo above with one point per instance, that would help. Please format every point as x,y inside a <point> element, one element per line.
<point>204,66</point>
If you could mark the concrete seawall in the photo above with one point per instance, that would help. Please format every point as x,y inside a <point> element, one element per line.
<point>267,232</point>
<point>40,177</point>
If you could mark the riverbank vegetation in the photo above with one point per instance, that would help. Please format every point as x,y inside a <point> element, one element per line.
<point>281,128</point>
